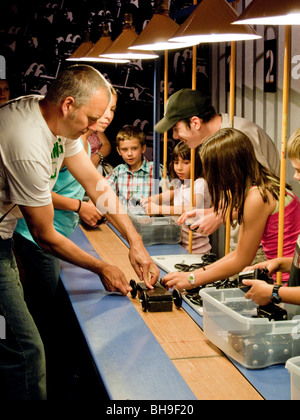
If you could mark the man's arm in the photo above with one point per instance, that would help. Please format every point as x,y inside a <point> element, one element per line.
<point>87,211</point>
<point>40,223</point>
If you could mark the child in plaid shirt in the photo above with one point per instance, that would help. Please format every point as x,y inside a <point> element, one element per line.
<point>134,179</point>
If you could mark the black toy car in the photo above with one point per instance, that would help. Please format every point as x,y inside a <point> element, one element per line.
<point>158,299</point>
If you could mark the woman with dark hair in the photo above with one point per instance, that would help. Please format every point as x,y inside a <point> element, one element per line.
<point>239,185</point>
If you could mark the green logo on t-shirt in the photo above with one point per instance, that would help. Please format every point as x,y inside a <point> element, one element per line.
<point>56,151</point>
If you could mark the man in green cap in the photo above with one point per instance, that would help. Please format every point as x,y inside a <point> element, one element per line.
<point>193,119</point>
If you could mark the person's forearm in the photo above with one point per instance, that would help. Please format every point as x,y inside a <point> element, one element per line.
<point>124,225</point>
<point>290,295</point>
<point>226,258</point>
<point>64,203</point>
<point>219,270</point>
<point>165,210</point>
<point>95,159</point>
<point>284,264</point>
<point>105,150</point>
<point>104,198</point>
<point>260,292</point>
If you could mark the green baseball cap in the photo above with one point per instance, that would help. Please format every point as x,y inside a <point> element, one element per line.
<point>185,103</point>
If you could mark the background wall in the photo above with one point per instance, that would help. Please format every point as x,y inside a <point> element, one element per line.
<point>37,36</point>
<point>252,101</point>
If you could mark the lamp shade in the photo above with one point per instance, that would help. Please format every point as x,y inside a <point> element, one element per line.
<point>120,46</point>
<point>271,12</point>
<point>80,51</point>
<point>156,34</point>
<point>99,47</point>
<point>211,21</point>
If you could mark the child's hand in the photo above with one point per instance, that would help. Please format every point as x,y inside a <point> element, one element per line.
<point>208,224</point>
<point>152,208</point>
<point>144,201</point>
<point>270,265</point>
<point>145,204</point>
<point>90,214</point>
<point>260,291</point>
<point>186,215</point>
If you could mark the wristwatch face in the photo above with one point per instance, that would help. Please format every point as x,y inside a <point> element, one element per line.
<point>275,298</point>
<point>192,278</point>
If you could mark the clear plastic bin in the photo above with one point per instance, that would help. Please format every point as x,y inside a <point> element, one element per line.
<point>252,342</point>
<point>293,366</point>
<point>157,229</point>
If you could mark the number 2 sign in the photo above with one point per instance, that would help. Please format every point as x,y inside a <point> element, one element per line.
<point>270,67</point>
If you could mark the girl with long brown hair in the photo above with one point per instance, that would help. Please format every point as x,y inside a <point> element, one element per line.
<point>240,185</point>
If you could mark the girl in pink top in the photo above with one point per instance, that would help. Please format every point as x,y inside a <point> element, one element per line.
<point>231,169</point>
<point>269,239</point>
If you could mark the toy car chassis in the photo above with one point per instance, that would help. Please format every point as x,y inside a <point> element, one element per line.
<point>158,299</point>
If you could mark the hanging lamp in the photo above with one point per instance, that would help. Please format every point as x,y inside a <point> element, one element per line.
<point>82,49</point>
<point>155,36</point>
<point>211,21</point>
<point>94,53</point>
<point>119,49</point>
<point>271,12</point>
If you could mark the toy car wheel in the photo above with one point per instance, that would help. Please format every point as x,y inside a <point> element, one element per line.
<point>177,298</point>
<point>134,288</point>
<point>144,301</point>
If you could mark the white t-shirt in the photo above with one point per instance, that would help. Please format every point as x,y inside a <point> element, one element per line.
<point>265,149</point>
<point>200,243</point>
<point>30,158</point>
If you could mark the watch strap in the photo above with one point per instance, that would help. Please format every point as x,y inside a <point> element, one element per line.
<point>275,296</point>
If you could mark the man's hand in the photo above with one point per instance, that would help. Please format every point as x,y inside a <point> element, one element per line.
<point>143,264</point>
<point>114,279</point>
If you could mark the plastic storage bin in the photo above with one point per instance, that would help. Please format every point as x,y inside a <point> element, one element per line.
<point>252,342</point>
<point>293,366</point>
<point>157,229</point>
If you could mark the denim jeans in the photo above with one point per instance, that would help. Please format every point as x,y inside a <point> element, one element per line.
<point>41,275</point>
<point>22,357</point>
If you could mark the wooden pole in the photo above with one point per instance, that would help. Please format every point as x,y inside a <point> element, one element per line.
<point>192,175</point>
<point>285,99</point>
<point>165,153</point>
<point>231,114</point>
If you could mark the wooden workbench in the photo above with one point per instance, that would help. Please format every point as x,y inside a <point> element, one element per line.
<point>206,370</point>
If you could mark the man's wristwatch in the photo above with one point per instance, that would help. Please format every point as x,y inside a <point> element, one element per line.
<point>275,298</point>
<point>191,278</point>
